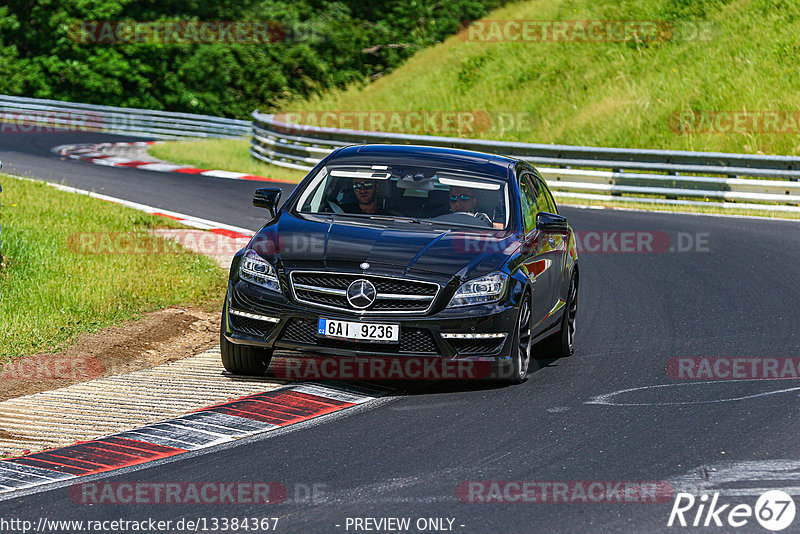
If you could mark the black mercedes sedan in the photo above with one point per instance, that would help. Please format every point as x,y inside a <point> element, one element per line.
<point>406,252</point>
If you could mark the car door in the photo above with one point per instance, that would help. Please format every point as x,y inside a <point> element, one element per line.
<point>535,262</point>
<point>554,245</point>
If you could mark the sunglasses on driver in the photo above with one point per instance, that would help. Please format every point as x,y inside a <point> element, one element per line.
<point>363,185</point>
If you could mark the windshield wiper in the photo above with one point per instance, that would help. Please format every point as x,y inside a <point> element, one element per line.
<point>401,219</point>
<point>398,218</point>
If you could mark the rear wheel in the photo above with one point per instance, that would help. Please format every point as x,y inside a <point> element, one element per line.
<point>564,341</point>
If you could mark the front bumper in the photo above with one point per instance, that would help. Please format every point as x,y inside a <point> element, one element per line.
<point>294,327</point>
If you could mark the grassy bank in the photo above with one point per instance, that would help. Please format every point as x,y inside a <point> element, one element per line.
<point>727,55</point>
<point>52,289</point>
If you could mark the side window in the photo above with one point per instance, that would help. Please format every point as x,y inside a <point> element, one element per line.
<point>551,202</point>
<point>541,194</point>
<point>529,205</point>
<point>545,197</point>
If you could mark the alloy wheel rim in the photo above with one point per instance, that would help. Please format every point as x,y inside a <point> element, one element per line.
<point>524,348</point>
<point>572,313</point>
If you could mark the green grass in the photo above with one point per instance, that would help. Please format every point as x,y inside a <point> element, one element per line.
<point>50,292</point>
<point>609,94</point>
<point>224,154</point>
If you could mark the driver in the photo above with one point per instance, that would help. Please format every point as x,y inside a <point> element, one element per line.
<point>463,200</point>
<point>366,192</point>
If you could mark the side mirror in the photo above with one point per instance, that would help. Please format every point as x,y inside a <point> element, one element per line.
<point>550,222</point>
<point>267,198</point>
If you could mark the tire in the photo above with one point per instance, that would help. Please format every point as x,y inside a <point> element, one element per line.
<point>522,347</point>
<point>564,342</point>
<point>244,360</point>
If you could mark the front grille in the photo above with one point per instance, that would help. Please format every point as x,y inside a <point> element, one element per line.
<point>253,327</point>
<point>393,295</point>
<point>321,280</point>
<point>412,340</point>
<point>298,331</point>
<point>417,340</point>
<point>402,305</point>
<point>322,298</point>
<point>476,346</point>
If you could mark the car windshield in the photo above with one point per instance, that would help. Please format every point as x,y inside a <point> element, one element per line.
<point>446,197</point>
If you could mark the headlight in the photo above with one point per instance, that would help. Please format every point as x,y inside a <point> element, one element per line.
<point>489,288</point>
<point>259,271</point>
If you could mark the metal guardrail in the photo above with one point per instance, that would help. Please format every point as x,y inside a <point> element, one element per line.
<point>24,114</point>
<point>628,175</point>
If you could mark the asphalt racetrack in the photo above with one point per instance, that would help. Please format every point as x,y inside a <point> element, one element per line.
<point>719,287</point>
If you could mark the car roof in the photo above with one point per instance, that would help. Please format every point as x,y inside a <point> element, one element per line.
<point>417,155</point>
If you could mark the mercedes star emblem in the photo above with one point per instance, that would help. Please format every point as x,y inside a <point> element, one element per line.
<point>361,294</point>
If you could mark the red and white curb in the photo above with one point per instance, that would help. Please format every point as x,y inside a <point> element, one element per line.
<point>207,427</point>
<point>226,230</point>
<point>103,154</point>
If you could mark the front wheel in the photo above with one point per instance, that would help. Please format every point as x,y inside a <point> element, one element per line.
<point>521,349</point>
<point>244,360</point>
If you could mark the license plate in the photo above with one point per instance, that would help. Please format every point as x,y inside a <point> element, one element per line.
<point>371,332</point>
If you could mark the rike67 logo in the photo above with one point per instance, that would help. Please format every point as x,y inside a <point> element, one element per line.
<point>774,510</point>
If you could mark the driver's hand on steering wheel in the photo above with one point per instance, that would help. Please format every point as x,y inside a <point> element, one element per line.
<point>482,217</point>
<point>478,215</point>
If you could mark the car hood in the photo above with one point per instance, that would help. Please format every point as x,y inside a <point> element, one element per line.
<point>400,249</point>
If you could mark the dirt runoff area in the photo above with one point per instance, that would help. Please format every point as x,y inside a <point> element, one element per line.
<point>158,337</point>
